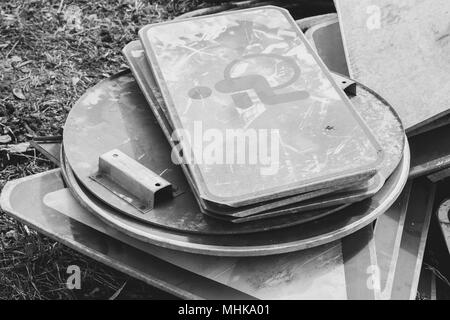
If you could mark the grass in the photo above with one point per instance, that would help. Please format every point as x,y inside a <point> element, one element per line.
<point>50,53</point>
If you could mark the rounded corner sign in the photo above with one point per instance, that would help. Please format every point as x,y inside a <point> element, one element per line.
<point>251,75</point>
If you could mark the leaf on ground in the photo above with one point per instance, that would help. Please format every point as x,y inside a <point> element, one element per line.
<point>18,93</point>
<point>12,234</point>
<point>15,59</point>
<point>18,148</point>
<point>4,139</point>
<point>75,80</point>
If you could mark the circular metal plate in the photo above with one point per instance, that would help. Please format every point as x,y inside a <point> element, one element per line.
<point>200,224</point>
<point>114,114</point>
<point>300,237</point>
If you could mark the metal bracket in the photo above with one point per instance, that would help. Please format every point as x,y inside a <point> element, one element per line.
<point>131,181</point>
<point>346,84</point>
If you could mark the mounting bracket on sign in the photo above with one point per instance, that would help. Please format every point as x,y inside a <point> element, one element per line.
<point>347,85</point>
<point>131,181</point>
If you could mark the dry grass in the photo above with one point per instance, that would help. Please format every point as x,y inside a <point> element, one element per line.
<point>48,58</point>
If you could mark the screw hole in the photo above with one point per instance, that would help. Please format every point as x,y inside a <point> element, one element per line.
<point>158,184</point>
<point>344,82</point>
<point>115,155</point>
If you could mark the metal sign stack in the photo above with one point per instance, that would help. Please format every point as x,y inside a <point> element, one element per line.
<point>263,132</point>
<point>238,160</point>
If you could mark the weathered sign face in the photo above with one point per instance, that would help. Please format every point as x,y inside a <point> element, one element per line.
<point>249,76</point>
<point>400,49</point>
<point>377,114</point>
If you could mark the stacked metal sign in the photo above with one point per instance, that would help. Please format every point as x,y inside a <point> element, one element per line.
<point>283,138</point>
<point>233,161</point>
<point>259,137</point>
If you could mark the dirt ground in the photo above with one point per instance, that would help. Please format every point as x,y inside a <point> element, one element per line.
<point>50,53</point>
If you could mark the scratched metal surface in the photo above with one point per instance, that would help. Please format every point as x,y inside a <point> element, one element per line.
<point>400,49</point>
<point>142,72</point>
<point>378,115</point>
<point>185,64</point>
<point>128,125</point>
<point>113,125</point>
<point>385,124</point>
<point>111,115</point>
<point>135,136</point>
<point>326,272</point>
<point>307,235</point>
<point>185,216</point>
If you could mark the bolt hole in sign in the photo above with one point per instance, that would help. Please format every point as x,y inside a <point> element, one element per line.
<point>253,104</point>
